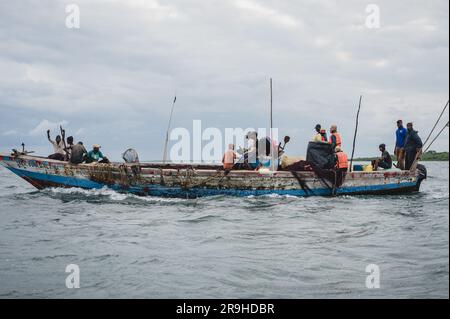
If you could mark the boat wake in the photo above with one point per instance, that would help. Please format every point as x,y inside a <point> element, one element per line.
<point>107,194</point>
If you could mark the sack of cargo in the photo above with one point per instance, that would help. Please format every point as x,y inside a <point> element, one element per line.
<point>290,160</point>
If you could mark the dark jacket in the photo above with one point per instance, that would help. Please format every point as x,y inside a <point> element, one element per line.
<point>413,141</point>
<point>78,154</point>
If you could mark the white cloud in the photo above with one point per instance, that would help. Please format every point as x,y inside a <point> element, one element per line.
<point>381,63</point>
<point>10,133</point>
<point>45,125</point>
<point>115,77</point>
<point>80,132</point>
<point>263,12</point>
<point>152,7</point>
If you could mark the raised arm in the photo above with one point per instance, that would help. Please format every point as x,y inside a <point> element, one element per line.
<point>48,136</point>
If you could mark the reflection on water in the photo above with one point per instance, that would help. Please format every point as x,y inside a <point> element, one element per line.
<point>254,247</point>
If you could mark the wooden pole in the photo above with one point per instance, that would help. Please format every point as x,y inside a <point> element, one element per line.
<point>356,132</point>
<point>271,127</point>
<point>168,130</point>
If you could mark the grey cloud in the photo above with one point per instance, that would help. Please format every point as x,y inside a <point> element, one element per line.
<point>116,76</point>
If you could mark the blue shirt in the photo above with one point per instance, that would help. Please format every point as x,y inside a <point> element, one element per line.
<point>401,137</point>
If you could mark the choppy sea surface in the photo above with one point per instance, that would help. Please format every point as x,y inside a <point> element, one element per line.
<point>223,247</point>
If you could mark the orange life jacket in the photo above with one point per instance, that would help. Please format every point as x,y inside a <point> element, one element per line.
<point>342,160</point>
<point>338,139</point>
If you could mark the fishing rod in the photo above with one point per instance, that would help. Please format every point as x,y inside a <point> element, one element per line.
<point>420,152</point>
<point>356,132</point>
<point>168,130</point>
<point>437,122</point>
<point>440,132</point>
<point>417,157</point>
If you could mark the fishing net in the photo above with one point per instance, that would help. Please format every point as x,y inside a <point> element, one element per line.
<point>130,156</point>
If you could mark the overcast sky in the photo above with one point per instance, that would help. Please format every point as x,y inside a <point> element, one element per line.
<point>112,80</point>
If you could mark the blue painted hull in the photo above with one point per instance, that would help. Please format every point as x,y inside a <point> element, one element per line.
<point>195,181</point>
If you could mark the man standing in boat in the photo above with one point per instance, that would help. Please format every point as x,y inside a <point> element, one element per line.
<point>317,137</point>
<point>413,146</point>
<point>335,138</point>
<point>341,165</point>
<point>399,151</point>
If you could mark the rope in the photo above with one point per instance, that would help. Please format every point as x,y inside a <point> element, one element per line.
<point>434,140</point>
<point>417,158</point>
<point>308,191</point>
<point>437,122</point>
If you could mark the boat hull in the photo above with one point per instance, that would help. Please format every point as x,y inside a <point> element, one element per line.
<point>192,181</point>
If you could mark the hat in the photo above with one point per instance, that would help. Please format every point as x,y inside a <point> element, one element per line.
<point>96,146</point>
<point>323,131</point>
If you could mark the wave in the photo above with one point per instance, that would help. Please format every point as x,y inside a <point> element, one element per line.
<point>111,195</point>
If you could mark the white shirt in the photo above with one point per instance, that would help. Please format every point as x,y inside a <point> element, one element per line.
<point>58,148</point>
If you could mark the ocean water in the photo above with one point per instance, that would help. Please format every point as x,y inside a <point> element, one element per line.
<point>223,247</point>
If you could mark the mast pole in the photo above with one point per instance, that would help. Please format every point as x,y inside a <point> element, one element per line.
<point>356,132</point>
<point>168,130</point>
<point>271,127</point>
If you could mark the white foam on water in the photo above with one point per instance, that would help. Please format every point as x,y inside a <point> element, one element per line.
<point>113,195</point>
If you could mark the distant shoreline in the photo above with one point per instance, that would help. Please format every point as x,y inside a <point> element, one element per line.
<point>430,156</point>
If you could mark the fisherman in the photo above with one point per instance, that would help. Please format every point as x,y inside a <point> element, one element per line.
<point>323,133</point>
<point>281,148</point>
<point>335,138</point>
<point>341,167</point>
<point>249,159</point>
<point>341,160</point>
<point>399,151</point>
<point>69,147</point>
<point>385,161</point>
<point>58,148</point>
<point>78,153</point>
<point>413,146</point>
<point>229,158</point>
<point>95,155</point>
<point>251,156</point>
<point>317,137</point>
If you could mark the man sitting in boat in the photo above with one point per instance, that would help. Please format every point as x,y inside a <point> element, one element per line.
<point>249,159</point>
<point>78,154</point>
<point>229,158</point>
<point>95,155</point>
<point>58,147</point>
<point>385,161</point>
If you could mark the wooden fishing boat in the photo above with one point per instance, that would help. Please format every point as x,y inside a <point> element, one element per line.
<point>191,181</point>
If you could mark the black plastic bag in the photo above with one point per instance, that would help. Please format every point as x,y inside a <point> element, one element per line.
<point>321,155</point>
